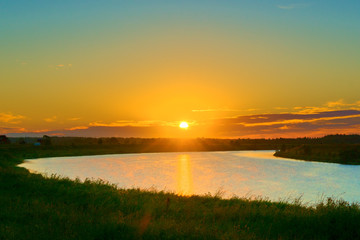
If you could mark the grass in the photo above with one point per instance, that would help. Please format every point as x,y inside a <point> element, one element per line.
<point>34,207</point>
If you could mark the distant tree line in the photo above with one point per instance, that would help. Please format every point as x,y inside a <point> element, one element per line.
<point>281,144</point>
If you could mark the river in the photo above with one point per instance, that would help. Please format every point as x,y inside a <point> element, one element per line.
<point>233,173</point>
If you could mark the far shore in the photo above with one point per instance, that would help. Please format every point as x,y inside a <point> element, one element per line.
<point>342,149</point>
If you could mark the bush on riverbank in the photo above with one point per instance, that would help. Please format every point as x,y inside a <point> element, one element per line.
<point>34,207</point>
<point>335,153</point>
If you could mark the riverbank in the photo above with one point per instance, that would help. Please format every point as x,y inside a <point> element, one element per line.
<point>331,153</point>
<point>34,207</point>
<point>343,149</point>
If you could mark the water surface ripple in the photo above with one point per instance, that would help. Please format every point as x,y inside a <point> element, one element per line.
<point>240,173</point>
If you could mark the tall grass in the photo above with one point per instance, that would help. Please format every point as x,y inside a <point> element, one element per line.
<point>34,207</point>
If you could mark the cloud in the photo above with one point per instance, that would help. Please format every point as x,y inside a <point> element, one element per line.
<point>253,109</point>
<point>5,130</point>
<point>259,117</point>
<point>340,104</point>
<point>121,123</point>
<point>51,119</point>
<point>76,128</point>
<point>215,110</point>
<point>246,126</point>
<point>290,124</point>
<point>330,118</point>
<point>302,118</point>
<point>74,119</point>
<point>329,106</point>
<point>311,110</point>
<point>10,118</point>
<point>97,131</point>
<point>294,6</point>
<point>285,127</point>
<point>129,123</point>
<point>41,131</point>
<point>62,66</point>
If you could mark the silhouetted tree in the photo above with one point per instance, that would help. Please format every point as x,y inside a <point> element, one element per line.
<point>4,139</point>
<point>46,140</point>
<point>350,155</point>
<point>21,141</point>
<point>307,150</point>
<point>113,140</point>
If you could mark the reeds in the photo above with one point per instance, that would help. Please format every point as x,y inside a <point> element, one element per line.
<point>35,207</point>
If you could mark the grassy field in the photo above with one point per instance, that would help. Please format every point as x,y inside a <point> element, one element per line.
<point>34,207</point>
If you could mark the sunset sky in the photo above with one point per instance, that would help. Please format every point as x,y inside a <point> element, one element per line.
<point>126,68</point>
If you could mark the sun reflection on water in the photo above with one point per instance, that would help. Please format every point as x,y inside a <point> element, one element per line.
<point>184,175</point>
<point>245,173</point>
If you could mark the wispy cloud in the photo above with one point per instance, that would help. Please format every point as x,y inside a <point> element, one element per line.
<point>5,130</point>
<point>50,119</point>
<point>10,118</point>
<point>281,108</point>
<point>342,104</point>
<point>252,126</point>
<point>299,119</point>
<point>129,123</point>
<point>285,127</point>
<point>62,66</point>
<point>77,128</point>
<point>253,109</point>
<point>330,118</point>
<point>74,119</point>
<point>290,124</point>
<point>329,106</point>
<point>215,110</point>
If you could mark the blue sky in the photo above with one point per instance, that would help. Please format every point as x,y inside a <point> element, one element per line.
<point>158,61</point>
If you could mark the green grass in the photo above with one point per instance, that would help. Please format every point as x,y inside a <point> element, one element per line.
<point>34,207</point>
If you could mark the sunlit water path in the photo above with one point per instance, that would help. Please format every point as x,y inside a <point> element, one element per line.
<point>240,173</point>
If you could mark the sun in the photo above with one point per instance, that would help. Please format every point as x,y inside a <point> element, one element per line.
<point>184,125</point>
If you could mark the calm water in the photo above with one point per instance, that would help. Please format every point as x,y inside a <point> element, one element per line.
<point>240,173</point>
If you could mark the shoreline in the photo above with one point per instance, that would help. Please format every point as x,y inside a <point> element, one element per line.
<point>267,154</point>
<point>348,155</point>
<point>35,207</point>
